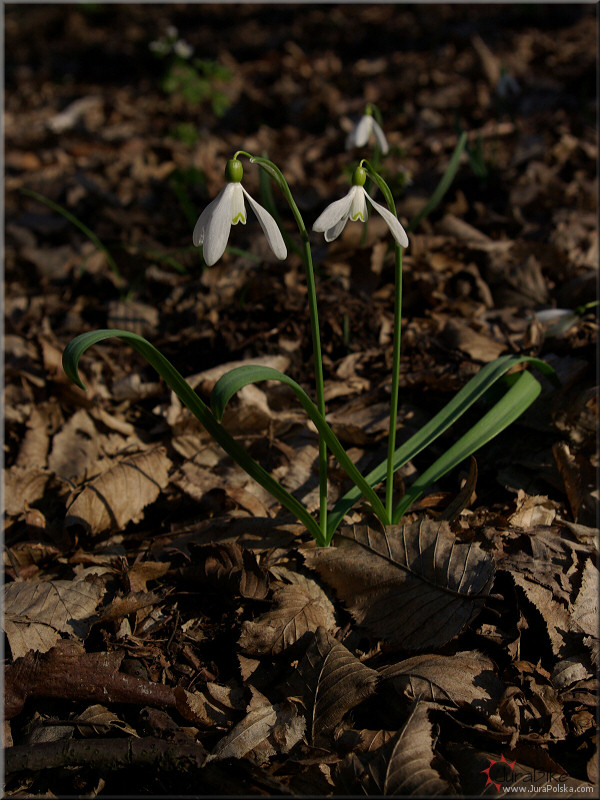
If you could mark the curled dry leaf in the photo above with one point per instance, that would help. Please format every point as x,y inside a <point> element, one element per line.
<point>36,613</point>
<point>119,495</point>
<point>264,732</point>
<point>462,679</point>
<point>298,608</point>
<point>98,719</point>
<point>333,681</point>
<point>227,566</point>
<point>212,706</point>
<point>413,584</point>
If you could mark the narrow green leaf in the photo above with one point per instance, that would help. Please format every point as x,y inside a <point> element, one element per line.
<point>77,346</point>
<point>519,397</point>
<point>461,402</point>
<point>235,379</point>
<point>443,185</point>
<point>79,224</point>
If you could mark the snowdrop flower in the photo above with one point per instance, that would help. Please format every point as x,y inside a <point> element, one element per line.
<point>227,209</point>
<point>354,206</point>
<point>182,49</point>
<point>359,135</point>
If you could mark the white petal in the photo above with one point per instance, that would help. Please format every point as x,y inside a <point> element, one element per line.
<point>334,232</point>
<point>396,229</point>
<point>213,226</point>
<point>358,209</point>
<point>380,137</point>
<point>269,226</point>
<point>363,130</point>
<point>238,209</point>
<point>335,213</point>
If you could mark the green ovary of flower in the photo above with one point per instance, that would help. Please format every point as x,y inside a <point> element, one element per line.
<point>359,177</point>
<point>234,171</point>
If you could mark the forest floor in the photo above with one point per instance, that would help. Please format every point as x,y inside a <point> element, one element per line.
<point>170,629</point>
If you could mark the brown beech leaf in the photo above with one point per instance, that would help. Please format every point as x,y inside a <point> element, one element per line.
<point>75,447</point>
<point>404,766</point>
<point>412,584</point>
<point>333,681</point>
<point>120,494</point>
<point>463,679</point>
<point>584,614</point>
<point>23,486</point>
<point>297,609</point>
<point>555,615</point>
<point>36,613</point>
<point>212,706</point>
<point>264,732</point>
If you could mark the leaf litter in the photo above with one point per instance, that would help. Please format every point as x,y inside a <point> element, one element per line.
<point>169,627</point>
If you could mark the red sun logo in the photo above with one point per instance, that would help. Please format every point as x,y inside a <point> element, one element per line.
<point>492,761</point>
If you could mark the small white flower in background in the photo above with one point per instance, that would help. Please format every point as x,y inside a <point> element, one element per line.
<point>359,135</point>
<point>182,49</point>
<point>227,209</point>
<point>354,206</point>
<point>160,47</point>
<point>172,32</point>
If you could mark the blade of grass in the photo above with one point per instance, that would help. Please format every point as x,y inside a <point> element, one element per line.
<point>443,185</point>
<point>79,224</point>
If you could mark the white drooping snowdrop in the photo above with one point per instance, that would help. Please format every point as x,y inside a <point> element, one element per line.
<point>359,135</point>
<point>227,209</point>
<point>354,207</point>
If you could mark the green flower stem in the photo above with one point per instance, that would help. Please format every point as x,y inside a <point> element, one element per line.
<point>389,486</point>
<point>275,173</point>
<point>77,346</point>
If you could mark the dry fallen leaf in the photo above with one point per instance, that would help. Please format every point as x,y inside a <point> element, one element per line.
<point>413,584</point>
<point>264,732</point>
<point>36,613</point>
<point>462,679</point>
<point>298,608</point>
<point>119,495</point>
<point>333,681</point>
<point>404,765</point>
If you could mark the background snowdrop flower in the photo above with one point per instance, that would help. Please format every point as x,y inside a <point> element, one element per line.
<point>182,49</point>
<point>354,206</point>
<point>227,209</point>
<point>359,135</point>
